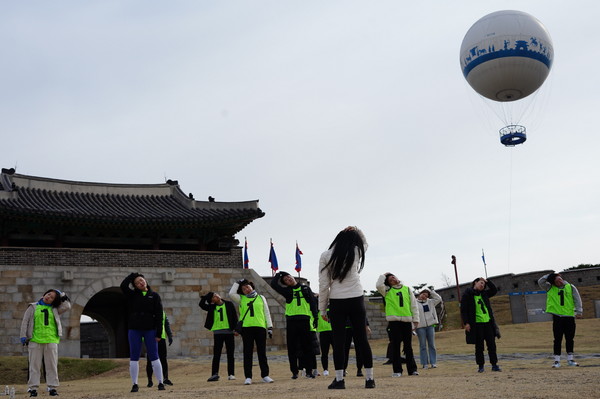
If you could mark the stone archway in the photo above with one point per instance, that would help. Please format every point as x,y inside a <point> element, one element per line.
<point>107,337</point>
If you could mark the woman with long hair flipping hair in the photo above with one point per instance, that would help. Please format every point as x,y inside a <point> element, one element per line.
<point>340,288</point>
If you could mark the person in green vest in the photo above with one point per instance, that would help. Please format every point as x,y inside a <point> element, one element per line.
<point>256,326</point>
<point>221,319</point>
<point>325,342</point>
<point>167,334</point>
<point>300,310</point>
<point>402,313</point>
<point>41,330</point>
<point>478,317</point>
<point>564,304</point>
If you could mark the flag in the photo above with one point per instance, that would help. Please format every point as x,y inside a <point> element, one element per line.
<point>483,258</point>
<point>298,259</point>
<point>246,260</point>
<point>273,258</point>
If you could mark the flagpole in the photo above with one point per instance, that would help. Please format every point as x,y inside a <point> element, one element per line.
<point>484,264</point>
<point>298,256</point>
<point>271,250</point>
<point>457,286</point>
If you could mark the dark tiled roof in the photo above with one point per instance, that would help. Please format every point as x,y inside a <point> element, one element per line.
<point>26,197</point>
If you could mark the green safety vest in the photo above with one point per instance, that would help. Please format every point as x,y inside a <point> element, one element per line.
<point>299,305</point>
<point>397,302</point>
<point>44,326</point>
<point>323,325</point>
<point>560,301</point>
<point>163,335</point>
<point>482,315</point>
<point>256,315</point>
<point>220,321</point>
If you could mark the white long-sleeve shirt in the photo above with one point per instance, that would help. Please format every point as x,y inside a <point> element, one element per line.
<point>414,309</point>
<point>235,297</point>
<point>350,287</point>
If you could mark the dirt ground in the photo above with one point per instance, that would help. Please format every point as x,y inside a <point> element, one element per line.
<point>523,376</point>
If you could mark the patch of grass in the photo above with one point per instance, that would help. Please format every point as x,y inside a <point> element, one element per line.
<point>13,369</point>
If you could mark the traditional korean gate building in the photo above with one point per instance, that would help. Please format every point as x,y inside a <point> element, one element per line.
<point>84,238</point>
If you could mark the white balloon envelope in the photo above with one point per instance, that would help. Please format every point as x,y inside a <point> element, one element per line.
<point>506,55</point>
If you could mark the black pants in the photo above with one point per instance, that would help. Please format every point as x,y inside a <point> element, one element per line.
<point>325,341</point>
<point>353,309</point>
<point>347,346</point>
<point>299,345</point>
<point>401,335</point>
<point>563,326</point>
<point>229,342</point>
<point>258,336</point>
<point>485,332</point>
<point>162,355</point>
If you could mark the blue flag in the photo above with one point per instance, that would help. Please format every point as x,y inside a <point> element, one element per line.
<point>246,260</point>
<point>273,258</point>
<point>298,259</point>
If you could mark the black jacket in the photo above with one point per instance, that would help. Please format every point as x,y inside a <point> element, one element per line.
<point>232,317</point>
<point>145,311</point>
<point>288,293</point>
<point>467,303</point>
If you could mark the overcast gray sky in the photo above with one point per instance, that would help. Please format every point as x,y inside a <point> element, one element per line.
<point>331,113</point>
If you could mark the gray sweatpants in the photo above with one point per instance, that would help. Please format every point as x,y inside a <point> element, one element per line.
<point>49,353</point>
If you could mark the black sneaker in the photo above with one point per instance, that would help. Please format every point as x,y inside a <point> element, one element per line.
<point>370,384</point>
<point>337,384</point>
<point>480,369</point>
<point>150,384</point>
<point>135,388</point>
<point>359,373</point>
<point>213,378</point>
<point>495,367</point>
<point>32,393</point>
<point>167,382</point>
<point>161,387</point>
<point>295,376</point>
<point>53,392</point>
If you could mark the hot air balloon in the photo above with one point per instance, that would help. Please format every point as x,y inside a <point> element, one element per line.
<point>506,56</point>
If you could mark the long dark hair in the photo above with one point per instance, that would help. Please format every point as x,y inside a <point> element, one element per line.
<point>343,254</point>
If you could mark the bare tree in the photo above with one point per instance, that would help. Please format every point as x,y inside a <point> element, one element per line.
<point>446,280</point>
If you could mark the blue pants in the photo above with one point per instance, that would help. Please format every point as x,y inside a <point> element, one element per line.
<point>427,341</point>
<point>135,344</point>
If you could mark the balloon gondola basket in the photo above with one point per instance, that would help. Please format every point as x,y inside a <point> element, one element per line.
<point>513,135</point>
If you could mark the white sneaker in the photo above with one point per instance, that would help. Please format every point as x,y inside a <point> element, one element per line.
<point>231,377</point>
<point>425,366</point>
<point>556,365</point>
<point>326,373</point>
<point>396,374</point>
<point>434,366</point>
<point>573,363</point>
<point>248,381</point>
<point>267,379</point>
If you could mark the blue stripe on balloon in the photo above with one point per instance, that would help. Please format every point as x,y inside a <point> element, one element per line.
<point>506,53</point>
